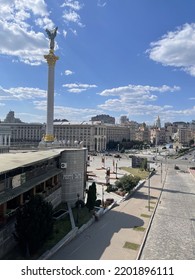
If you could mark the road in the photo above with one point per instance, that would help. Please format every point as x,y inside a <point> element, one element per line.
<point>105,239</point>
<point>172,234</point>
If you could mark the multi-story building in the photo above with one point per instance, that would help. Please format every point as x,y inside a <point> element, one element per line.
<point>117,133</point>
<point>58,175</point>
<point>142,134</point>
<point>103,119</point>
<point>92,136</point>
<point>5,136</point>
<point>24,133</point>
<point>185,135</point>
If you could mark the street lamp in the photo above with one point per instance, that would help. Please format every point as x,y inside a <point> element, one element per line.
<point>116,171</point>
<point>102,195</point>
<point>77,219</point>
<point>149,191</point>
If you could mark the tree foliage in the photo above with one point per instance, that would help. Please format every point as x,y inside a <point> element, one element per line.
<point>144,164</point>
<point>91,196</point>
<point>127,182</point>
<point>34,223</point>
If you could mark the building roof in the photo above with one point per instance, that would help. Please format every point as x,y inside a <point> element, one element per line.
<point>11,161</point>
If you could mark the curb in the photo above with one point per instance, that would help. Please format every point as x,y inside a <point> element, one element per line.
<point>150,222</point>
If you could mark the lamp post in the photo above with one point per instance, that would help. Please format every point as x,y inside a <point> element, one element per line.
<point>116,171</point>
<point>149,192</point>
<point>77,219</point>
<point>102,195</point>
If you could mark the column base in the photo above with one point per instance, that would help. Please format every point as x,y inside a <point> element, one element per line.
<point>49,138</point>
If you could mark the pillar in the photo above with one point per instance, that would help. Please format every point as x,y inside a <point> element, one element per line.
<point>51,59</point>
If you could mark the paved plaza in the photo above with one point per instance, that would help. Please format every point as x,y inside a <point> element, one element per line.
<point>156,223</point>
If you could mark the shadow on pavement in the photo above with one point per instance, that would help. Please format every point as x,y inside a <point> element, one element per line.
<point>91,244</point>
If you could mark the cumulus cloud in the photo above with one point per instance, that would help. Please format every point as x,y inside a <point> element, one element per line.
<point>71,14</point>
<point>77,88</point>
<point>75,5</point>
<point>176,49</point>
<point>68,72</point>
<point>70,113</point>
<point>21,93</point>
<point>18,38</point>
<point>137,90</point>
<point>135,100</point>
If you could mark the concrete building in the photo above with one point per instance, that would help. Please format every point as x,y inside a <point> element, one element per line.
<point>58,175</point>
<point>23,133</point>
<point>93,136</point>
<point>185,135</point>
<point>103,119</point>
<point>5,136</point>
<point>117,133</point>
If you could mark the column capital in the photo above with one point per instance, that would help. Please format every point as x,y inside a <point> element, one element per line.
<point>51,58</point>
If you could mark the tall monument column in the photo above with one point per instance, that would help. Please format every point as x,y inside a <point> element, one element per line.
<point>51,59</point>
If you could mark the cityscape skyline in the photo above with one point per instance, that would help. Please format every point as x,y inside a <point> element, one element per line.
<point>134,59</point>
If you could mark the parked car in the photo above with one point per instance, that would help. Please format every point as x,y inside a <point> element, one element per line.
<point>117,156</point>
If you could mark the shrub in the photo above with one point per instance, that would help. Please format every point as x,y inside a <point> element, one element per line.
<point>127,182</point>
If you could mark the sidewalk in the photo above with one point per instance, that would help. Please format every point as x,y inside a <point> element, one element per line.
<point>127,242</point>
<point>142,206</point>
<point>120,233</point>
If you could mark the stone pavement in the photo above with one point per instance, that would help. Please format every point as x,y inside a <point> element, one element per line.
<point>142,205</point>
<point>122,231</point>
<point>172,234</point>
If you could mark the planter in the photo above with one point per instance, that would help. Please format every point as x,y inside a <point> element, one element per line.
<point>60,214</point>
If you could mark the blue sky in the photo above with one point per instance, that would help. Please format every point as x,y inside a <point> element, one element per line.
<point>116,57</point>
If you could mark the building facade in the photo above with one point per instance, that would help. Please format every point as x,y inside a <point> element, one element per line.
<point>58,175</point>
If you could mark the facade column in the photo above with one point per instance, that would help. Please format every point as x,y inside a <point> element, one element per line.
<point>5,140</point>
<point>9,140</point>
<point>1,140</point>
<point>51,59</point>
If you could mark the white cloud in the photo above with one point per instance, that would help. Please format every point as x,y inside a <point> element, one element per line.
<point>68,72</point>
<point>21,93</point>
<point>18,39</point>
<point>65,33</point>
<point>76,87</point>
<point>75,5</point>
<point>135,100</point>
<point>101,3</point>
<point>70,113</point>
<point>176,49</point>
<point>137,90</point>
<point>70,14</point>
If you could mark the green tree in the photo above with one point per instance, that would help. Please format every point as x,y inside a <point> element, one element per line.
<point>34,224</point>
<point>127,182</point>
<point>144,164</point>
<point>91,196</point>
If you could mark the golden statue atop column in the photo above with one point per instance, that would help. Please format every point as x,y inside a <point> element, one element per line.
<point>51,59</point>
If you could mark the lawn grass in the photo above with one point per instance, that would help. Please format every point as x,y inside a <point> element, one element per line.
<point>61,228</point>
<point>136,172</point>
<point>132,246</point>
<point>82,214</point>
<point>139,228</point>
<point>145,216</point>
